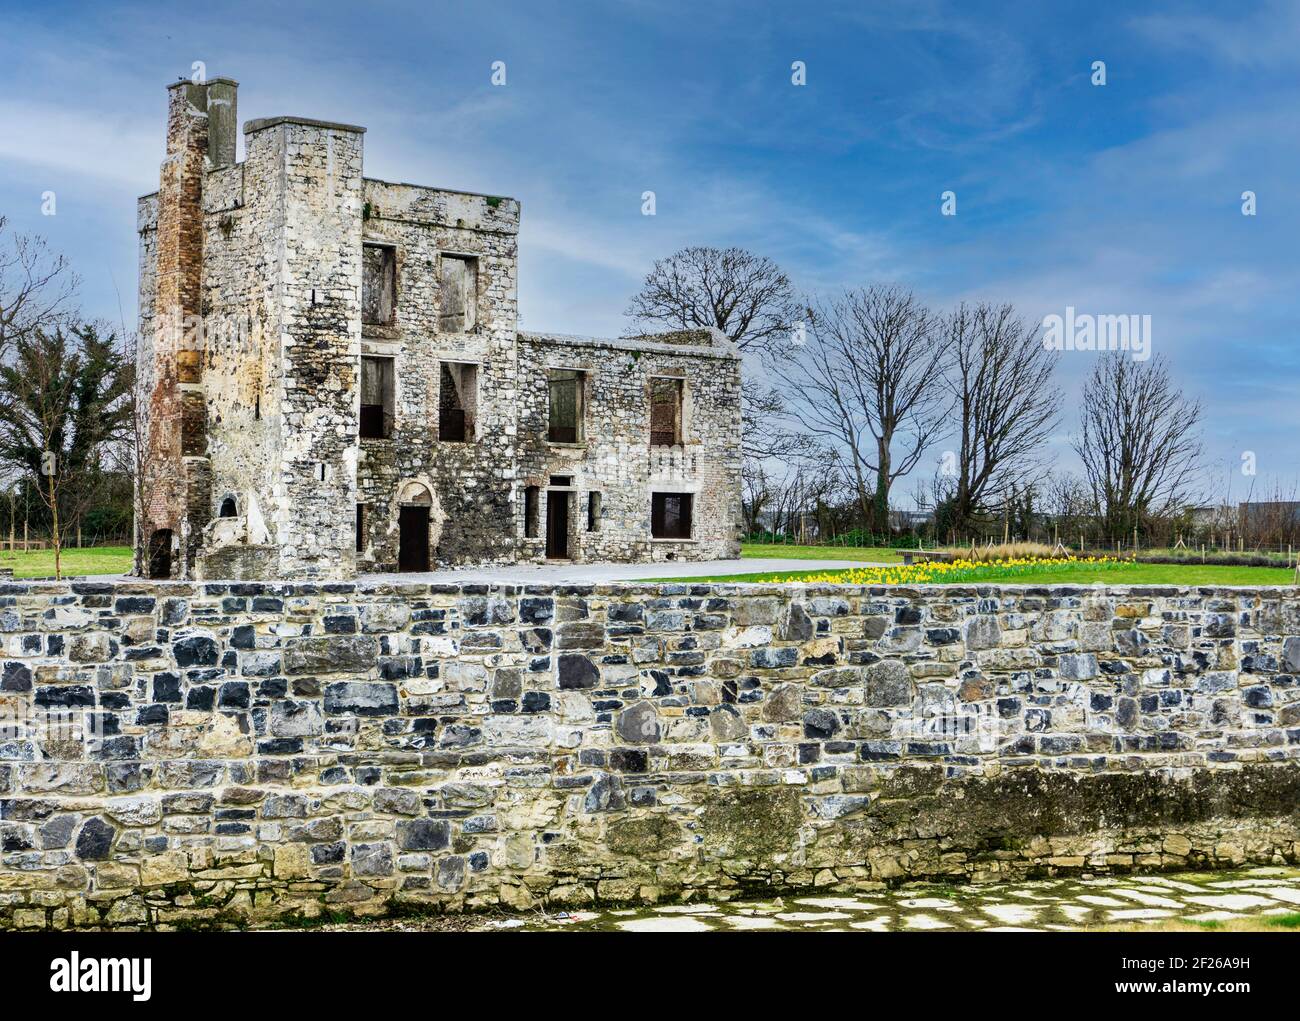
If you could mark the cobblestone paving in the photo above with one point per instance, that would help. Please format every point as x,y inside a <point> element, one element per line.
<point>1040,905</point>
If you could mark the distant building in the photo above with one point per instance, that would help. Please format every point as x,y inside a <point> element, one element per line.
<point>905,520</point>
<point>1260,515</point>
<point>1208,515</point>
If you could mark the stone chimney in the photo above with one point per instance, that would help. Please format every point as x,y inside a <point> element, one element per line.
<point>223,122</point>
<point>201,133</point>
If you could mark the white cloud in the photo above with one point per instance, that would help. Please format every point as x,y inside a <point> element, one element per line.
<point>92,144</point>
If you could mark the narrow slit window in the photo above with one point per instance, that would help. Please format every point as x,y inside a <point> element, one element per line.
<point>457,402</point>
<point>459,286</point>
<point>593,512</point>
<point>531,520</point>
<point>665,411</point>
<point>670,515</point>
<point>361,527</point>
<point>566,406</point>
<point>378,284</point>
<point>376,398</point>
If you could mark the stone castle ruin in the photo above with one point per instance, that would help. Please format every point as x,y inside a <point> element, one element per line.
<point>332,380</point>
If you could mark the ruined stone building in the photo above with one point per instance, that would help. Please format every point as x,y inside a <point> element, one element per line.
<point>332,379</point>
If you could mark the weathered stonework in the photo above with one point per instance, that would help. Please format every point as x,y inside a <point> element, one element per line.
<point>207,754</point>
<point>253,335</point>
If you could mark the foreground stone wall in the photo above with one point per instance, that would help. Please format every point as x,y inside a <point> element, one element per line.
<point>208,754</point>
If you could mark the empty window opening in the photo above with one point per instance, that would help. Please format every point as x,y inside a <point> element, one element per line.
<point>561,480</point>
<point>457,402</point>
<point>361,527</point>
<point>376,398</point>
<point>530,512</point>
<point>670,515</point>
<point>665,411</point>
<point>459,286</point>
<point>378,284</point>
<point>160,553</point>
<point>593,512</point>
<point>257,408</point>
<point>228,508</point>
<point>320,472</point>
<point>566,411</point>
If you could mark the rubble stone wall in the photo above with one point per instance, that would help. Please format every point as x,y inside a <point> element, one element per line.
<point>194,754</point>
<point>470,484</point>
<point>318,208</point>
<point>615,458</point>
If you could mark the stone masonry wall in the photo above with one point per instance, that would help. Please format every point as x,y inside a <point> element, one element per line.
<point>317,228</point>
<point>470,484</point>
<point>210,753</point>
<point>615,458</point>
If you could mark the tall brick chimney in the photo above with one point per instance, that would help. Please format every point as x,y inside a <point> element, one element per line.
<point>174,475</point>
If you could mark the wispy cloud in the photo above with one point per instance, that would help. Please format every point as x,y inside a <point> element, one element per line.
<point>1267,36</point>
<point>98,146</point>
<point>1116,199</point>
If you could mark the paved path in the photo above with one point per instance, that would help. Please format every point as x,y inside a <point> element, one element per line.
<point>1039,905</point>
<point>577,574</point>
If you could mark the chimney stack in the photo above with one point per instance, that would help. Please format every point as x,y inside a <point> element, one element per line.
<point>201,133</point>
<point>223,122</point>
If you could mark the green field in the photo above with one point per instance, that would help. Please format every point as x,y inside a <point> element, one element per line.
<point>95,560</point>
<point>1059,574</point>
<point>117,560</point>
<point>779,552</point>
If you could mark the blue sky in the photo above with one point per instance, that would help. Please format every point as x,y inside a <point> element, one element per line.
<point>1118,199</point>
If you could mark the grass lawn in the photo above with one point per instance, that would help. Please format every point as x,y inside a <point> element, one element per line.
<point>777,551</point>
<point>1082,573</point>
<point>94,560</point>
<point>1258,923</point>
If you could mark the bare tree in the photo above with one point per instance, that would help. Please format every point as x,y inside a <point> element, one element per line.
<point>36,286</point>
<point>746,296</point>
<point>791,495</point>
<point>1069,504</point>
<point>756,494</point>
<point>1138,440</point>
<point>1000,378</point>
<point>870,384</point>
<point>751,301</point>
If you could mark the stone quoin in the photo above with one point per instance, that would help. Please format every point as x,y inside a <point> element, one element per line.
<point>332,379</point>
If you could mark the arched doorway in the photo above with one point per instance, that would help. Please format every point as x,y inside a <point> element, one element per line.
<point>414,503</point>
